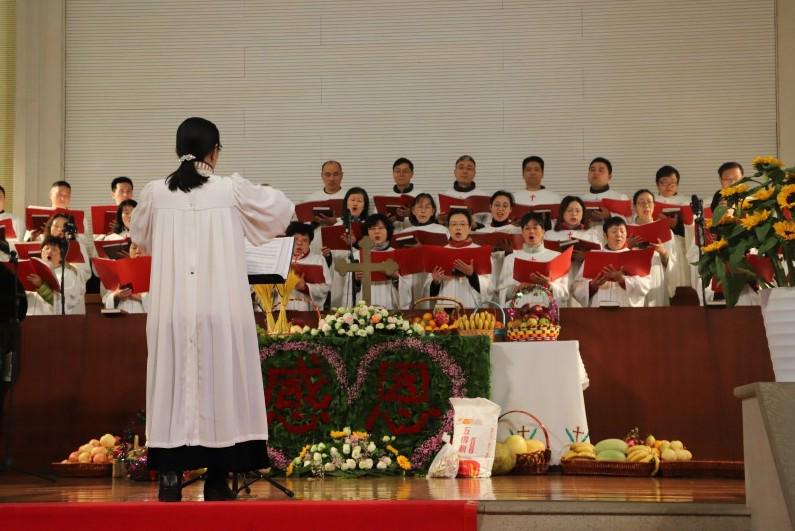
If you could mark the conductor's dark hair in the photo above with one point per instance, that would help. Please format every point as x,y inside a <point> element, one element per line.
<point>58,184</point>
<point>359,191</point>
<point>119,180</point>
<point>502,193</point>
<point>403,160</point>
<point>197,137</point>
<point>118,224</point>
<point>603,161</point>
<point>533,216</point>
<point>533,158</point>
<point>372,219</point>
<point>730,166</point>
<point>665,171</point>
<point>296,227</point>
<point>613,221</point>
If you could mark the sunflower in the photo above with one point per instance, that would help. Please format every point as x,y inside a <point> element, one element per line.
<point>734,190</point>
<point>752,220</point>
<point>715,246</point>
<point>786,197</point>
<point>764,193</point>
<point>767,160</point>
<point>790,176</point>
<point>785,229</point>
<point>403,462</point>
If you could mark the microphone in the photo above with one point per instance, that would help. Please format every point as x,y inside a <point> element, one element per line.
<point>697,205</point>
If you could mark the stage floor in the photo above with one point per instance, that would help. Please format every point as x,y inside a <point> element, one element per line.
<point>552,487</point>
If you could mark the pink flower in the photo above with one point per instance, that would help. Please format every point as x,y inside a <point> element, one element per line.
<point>375,319</point>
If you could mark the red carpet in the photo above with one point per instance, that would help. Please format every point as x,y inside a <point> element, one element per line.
<point>252,515</point>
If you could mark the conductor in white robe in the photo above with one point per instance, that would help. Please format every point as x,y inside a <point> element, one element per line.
<point>205,402</point>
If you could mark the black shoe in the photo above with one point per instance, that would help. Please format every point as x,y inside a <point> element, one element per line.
<point>170,487</point>
<point>217,489</point>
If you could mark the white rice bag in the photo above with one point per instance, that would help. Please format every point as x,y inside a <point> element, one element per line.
<point>475,435</point>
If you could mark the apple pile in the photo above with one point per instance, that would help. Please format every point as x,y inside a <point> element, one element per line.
<point>96,451</point>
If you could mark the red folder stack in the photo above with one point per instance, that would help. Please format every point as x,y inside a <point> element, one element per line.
<point>113,249</point>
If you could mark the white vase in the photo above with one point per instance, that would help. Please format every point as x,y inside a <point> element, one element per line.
<point>778,312</point>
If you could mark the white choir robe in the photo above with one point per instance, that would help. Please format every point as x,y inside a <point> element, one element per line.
<point>127,305</point>
<point>536,197</point>
<point>413,287</point>
<point>317,291</point>
<point>662,288</point>
<point>452,192</point>
<point>16,222</point>
<point>497,256</point>
<point>594,234</point>
<point>508,284</point>
<point>405,223</point>
<point>74,287</point>
<point>681,273</point>
<point>608,194</point>
<point>383,292</point>
<point>459,288</point>
<point>634,295</point>
<point>748,297</point>
<point>320,195</point>
<point>204,380</point>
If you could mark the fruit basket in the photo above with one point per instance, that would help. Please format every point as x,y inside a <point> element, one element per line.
<point>536,322</point>
<point>532,463</point>
<point>82,470</point>
<point>498,332</point>
<point>439,321</point>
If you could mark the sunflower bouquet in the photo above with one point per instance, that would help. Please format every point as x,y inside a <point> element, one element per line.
<point>350,454</point>
<point>753,232</point>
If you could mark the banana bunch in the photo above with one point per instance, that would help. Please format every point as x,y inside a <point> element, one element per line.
<point>640,453</point>
<point>477,321</point>
<point>579,450</point>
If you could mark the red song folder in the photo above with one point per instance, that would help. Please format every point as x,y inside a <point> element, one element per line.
<point>554,269</point>
<point>34,216</point>
<point>550,211</point>
<point>388,204</point>
<point>312,273</point>
<point>130,273</point>
<point>410,260</point>
<point>113,249</point>
<point>761,266</point>
<point>474,203</point>
<point>579,245</point>
<point>377,257</point>
<point>35,266</point>
<point>622,207</point>
<point>419,237</point>
<point>8,227</point>
<point>498,241</point>
<point>685,212</point>
<point>306,212</point>
<point>651,232</point>
<point>633,263</point>
<point>102,218</point>
<point>333,236</point>
<point>33,249</point>
<point>444,257</point>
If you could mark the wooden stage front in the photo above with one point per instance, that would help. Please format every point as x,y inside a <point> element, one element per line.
<point>669,371</point>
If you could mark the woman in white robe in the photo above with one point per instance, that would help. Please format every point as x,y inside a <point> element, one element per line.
<point>611,286</point>
<point>469,288</point>
<point>532,251</point>
<point>422,217</point>
<point>307,295</point>
<point>72,280</point>
<point>123,298</point>
<point>499,220</point>
<point>204,391</point>
<point>355,206</point>
<point>664,260</point>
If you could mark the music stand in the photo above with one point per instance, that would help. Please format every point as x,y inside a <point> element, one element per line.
<point>10,373</point>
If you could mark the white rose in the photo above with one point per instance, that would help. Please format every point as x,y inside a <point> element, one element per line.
<point>329,467</point>
<point>357,452</point>
<point>305,329</point>
<point>361,333</point>
<point>369,329</point>
<point>313,448</point>
<point>326,328</point>
<point>351,333</point>
<point>337,325</point>
<point>321,446</point>
<point>344,466</point>
<point>317,457</point>
<point>371,447</point>
<point>354,327</point>
<point>341,332</point>
<point>346,448</point>
<point>315,331</point>
<point>351,464</point>
<point>391,319</point>
<point>297,461</point>
<point>387,460</point>
<point>380,326</point>
<point>333,451</point>
<point>346,430</point>
<point>307,464</point>
<point>366,464</point>
<point>390,326</point>
<point>381,465</point>
<point>385,439</point>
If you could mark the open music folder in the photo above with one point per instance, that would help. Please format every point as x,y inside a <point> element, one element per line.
<point>269,263</point>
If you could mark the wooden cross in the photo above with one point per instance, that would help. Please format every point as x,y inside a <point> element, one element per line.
<point>366,266</point>
<point>524,431</point>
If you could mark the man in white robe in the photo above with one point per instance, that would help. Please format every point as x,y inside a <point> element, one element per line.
<point>331,175</point>
<point>535,193</point>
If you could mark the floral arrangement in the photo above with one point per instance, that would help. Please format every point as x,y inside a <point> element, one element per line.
<point>350,454</point>
<point>756,213</point>
<point>363,320</point>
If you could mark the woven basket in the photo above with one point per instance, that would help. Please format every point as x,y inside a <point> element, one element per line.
<point>591,467</point>
<point>456,305</point>
<point>532,463</point>
<point>82,470</point>
<point>498,334</point>
<point>552,331</point>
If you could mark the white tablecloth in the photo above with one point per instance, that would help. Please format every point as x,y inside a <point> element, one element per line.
<point>547,379</point>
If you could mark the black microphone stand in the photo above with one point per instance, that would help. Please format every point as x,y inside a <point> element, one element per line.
<point>349,227</point>
<point>697,205</point>
<point>9,377</point>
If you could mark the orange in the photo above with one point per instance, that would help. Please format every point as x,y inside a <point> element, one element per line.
<point>427,316</point>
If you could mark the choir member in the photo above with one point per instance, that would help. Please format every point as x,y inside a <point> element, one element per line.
<point>309,295</point>
<point>611,285</point>
<point>355,205</point>
<point>402,174</point>
<point>534,193</point>
<point>121,224</point>
<point>533,250</point>
<point>667,180</point>
<point>61,226</point>
<point>600,173</point>
<point>19,227</point>
<point>72,279</point>
<point>331,176</point>
<point>466,286</point>
<point>121,189</point>
<point>661,287</point>
<point>464,185</point>
<point>499,218</point>
<point>728,173</point>
<point>122,297</point>
<point>382,292</point>
<point>60,197</point>
<point>422,217</point>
